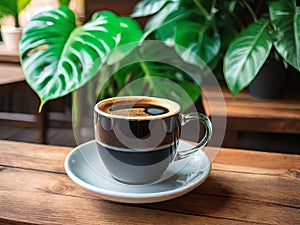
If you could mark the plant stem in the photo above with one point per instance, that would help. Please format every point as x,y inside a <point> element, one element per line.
<point>145,68</point>
<point>17,20</point>
<point>75,108</point>
<point>212,7</point>
<point>250,11</point>
<point>202,9</point>
<point>147,73</point>
<point>90,93</point>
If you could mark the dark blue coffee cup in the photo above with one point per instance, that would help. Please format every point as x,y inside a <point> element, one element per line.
<point>137,136</point>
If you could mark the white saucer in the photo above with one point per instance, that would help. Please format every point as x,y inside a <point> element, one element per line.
<point>85,167</point>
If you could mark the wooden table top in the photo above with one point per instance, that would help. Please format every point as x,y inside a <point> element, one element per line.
<point>244,187</point>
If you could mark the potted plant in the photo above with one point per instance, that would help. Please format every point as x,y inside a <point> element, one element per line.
<point>195,29</point>
<point>59,57</point>
<point>206,28</point>
<point>12,34</point>
<point>273,35</point>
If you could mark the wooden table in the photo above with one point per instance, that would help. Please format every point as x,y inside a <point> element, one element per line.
<point>246,113</point>
<point>244,187</point>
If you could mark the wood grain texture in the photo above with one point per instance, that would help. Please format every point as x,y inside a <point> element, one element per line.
<point>245,187</point>
<point>246,106</point>
<point>246,113</point>
<point>54,199</point>
<point>33,156</point>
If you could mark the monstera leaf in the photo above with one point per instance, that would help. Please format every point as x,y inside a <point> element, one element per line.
<point>158,20</point>
<point>196,41</point>
<point>58,57</point>
<point>130,35</point>
<point>149,78</point>
<point>148,7</point>
<point>246,54</point>
<point>285,15</point>
<point>166,31</point>
<point>13,7</point>
<point>64,2</point>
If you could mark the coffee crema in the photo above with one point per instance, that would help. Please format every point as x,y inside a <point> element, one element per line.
<point>138,110</point>
<point>138,107</point>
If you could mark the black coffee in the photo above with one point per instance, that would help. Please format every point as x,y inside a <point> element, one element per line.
<point>137,136</point>
<point>138,110</point>
<point>139,107</point>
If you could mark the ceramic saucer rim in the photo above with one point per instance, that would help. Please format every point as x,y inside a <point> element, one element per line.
<point>127,197</point>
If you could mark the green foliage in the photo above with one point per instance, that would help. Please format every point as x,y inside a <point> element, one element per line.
<point>246,54</point>
<point>148,7</point>
<point>58,57</point>
<point>189,26</point>
<point>285,16</point>
<point>13,7</point>
<point>249,51</point>
<point>207,29</point>
<point>152,79</point>
<point>64,2</point>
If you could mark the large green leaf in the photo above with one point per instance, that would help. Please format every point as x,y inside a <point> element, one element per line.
<point>158,20</point>
<point>285,15</point>
<point>246,54</point>
<point>148,7</point>
<point>9,7</point>
<point>197,41</point>
<point>64,2</point>
<point>58,58</point>
<point>166,31</point>
<point>131,34</point>
<point>21,4</point>
<point>130,31</point>
<point>227,6</point>
<point>13,7</point>
<point>152,76</point>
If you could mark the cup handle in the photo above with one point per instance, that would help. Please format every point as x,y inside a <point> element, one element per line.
<point>185,118</point>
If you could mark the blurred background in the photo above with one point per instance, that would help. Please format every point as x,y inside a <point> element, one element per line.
<point>20,120</point>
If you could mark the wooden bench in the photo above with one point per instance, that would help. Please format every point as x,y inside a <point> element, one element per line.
<point>246,113</point>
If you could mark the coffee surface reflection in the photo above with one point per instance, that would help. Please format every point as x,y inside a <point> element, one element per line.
<point>138,110</point>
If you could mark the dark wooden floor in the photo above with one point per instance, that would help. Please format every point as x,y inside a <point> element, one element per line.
<point>65,137</point>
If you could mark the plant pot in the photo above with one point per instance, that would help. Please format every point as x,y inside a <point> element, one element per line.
<point>11,37</point>
<point>270,81</point>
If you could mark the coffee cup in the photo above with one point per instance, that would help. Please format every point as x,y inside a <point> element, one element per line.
<point>137,136</point>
